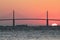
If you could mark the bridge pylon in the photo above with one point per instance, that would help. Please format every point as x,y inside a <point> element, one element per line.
<point>13,18</point>
<point>47,22</point>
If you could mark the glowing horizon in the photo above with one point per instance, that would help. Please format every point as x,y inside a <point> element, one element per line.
<point>30,9</point>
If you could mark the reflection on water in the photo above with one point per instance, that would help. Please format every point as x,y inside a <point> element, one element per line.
<point>30,35</point>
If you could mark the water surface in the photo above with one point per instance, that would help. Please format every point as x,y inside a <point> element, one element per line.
<point>30,35</point>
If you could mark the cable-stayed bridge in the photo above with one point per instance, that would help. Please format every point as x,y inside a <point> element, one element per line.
<point>30,19</point>
<point>47,19</point>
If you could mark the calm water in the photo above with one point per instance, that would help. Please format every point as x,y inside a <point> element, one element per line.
<point>30,35</point>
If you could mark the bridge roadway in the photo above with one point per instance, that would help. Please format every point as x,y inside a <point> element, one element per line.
<point>29,19</point>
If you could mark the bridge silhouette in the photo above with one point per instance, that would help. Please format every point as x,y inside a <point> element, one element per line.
<point>47,19</point>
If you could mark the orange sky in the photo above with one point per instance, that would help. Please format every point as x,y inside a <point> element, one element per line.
<point>30,9</point>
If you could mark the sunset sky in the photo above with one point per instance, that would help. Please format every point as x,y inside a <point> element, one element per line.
<point>29,9</point>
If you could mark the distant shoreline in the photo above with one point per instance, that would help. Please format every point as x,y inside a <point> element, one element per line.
<point>26,27</point>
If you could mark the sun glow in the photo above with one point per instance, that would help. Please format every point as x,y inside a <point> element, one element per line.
<point>54,24</point>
